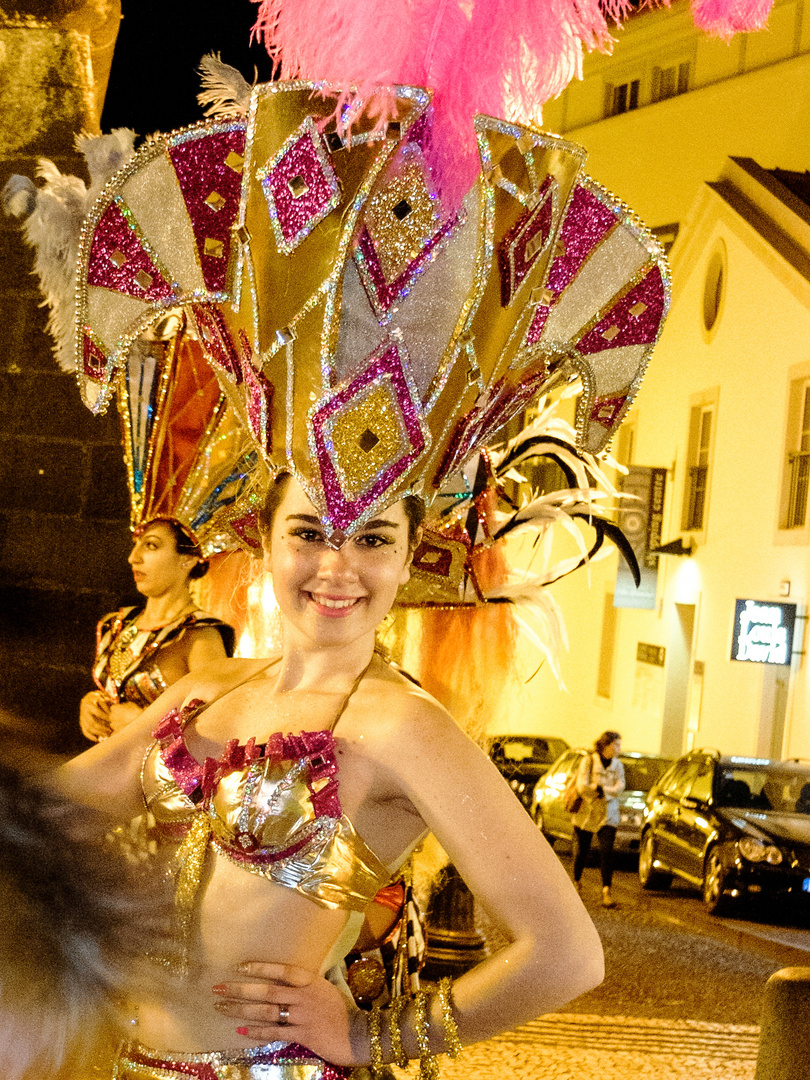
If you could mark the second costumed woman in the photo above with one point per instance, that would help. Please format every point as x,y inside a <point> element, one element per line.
<point>182,489</point>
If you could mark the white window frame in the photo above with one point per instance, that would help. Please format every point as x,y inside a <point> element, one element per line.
<point>794,528</point>
<point>699,456</point>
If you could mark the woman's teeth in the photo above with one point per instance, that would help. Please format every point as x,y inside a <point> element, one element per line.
<point>325,601</point>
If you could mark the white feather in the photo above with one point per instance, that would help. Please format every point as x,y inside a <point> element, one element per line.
<point>225,92</point>
<point>53,230</point>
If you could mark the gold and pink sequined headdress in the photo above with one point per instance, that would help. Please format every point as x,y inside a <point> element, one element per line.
<point>370,339</point>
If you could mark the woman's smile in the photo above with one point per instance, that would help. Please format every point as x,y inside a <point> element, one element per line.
<point>334,607</point>
<point>334,595</point>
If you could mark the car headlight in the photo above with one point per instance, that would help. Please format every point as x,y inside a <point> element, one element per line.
<point>756,851</point>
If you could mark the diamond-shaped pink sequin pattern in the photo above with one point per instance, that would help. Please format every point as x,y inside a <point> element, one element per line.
<point>208,171</point>
<point>119,259</point>
<point>300,186</point>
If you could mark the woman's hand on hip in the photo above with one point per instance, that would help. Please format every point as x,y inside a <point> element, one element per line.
<point>278,1001</point>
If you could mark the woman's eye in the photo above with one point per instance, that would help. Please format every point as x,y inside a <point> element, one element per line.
<point>373,540</point>
<point>309,536</point>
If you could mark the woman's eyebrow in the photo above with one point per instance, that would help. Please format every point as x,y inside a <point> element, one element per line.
<point>310,519</point>
<point>381,523</point>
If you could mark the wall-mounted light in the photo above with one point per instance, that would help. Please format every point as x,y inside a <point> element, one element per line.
<point>674,547</point>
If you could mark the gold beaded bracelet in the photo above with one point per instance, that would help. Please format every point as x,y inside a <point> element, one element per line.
<point>395,1030</point>
<point>375,1040</point>
<point>428,1067</point>
<point>449,1021</point>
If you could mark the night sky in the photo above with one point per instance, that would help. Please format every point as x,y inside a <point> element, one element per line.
<point>153,81</point>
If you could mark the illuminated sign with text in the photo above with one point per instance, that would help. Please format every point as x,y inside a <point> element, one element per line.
<point>763,632</point>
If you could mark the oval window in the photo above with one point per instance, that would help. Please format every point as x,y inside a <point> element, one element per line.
<point>714,287</point>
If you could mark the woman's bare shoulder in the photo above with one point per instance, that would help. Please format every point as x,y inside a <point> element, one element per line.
<point>219,676</point>
<point>404,709</point>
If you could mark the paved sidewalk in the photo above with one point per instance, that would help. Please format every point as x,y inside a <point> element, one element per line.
<point>570,1046</point>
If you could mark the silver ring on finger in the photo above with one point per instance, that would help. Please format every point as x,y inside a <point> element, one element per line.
<point>283,1015</point>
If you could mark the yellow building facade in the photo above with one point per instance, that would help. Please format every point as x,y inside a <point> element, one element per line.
<point>709,142</point>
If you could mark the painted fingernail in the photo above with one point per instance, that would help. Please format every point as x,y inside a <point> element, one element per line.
<point>244,968</point>
<point>241,1031</point>
<point>220,988</point>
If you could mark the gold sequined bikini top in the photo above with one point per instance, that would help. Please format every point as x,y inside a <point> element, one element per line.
<point>273,809</point>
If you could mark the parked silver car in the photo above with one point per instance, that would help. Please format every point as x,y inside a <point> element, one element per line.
<point>523,759</point>
<point>641,771</point>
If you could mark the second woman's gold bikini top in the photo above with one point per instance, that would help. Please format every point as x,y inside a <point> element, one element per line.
<point>272,809</point>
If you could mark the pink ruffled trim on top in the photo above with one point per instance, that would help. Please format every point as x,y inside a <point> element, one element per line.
<point>316,747</point>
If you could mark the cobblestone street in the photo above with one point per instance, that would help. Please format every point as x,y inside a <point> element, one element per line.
<point>573,1047</point>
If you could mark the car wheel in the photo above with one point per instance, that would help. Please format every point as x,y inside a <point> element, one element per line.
<point>538,817</point>
<point>649,877</point>
<point>714,883</point>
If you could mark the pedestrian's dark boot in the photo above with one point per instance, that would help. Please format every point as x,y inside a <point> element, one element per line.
<point>607,899</point>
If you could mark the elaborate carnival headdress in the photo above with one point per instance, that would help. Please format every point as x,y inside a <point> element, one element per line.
<point>370,340</point>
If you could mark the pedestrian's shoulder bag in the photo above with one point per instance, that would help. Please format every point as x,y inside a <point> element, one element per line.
<point>572,800</point>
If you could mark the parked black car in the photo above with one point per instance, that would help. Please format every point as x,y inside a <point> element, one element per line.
<point>641,771</point>
<point>523,759</point>
<point>734,826</point>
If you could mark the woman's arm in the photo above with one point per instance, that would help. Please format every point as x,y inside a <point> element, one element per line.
<point>555,953</point>
<point>205,646</point>
<point>106,775</point>
<point>586,784</point>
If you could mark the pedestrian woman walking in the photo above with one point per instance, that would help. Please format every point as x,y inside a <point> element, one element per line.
<point>599,781</point>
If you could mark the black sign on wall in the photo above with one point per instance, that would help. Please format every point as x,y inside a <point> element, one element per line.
<point>640,520</point>
<point>763,631</point>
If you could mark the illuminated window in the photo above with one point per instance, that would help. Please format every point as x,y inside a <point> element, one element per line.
<point>696,493</point>
<point>670,81</point>
<point>623,97</point>
<point>798,463</point>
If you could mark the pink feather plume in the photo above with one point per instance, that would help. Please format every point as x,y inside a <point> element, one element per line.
<point>478,56</point>
<point>728,17</point>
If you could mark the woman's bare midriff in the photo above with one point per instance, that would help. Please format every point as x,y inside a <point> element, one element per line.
<point>168,1012</point>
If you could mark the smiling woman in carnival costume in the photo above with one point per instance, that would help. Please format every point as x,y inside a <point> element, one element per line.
<point>373,324</point>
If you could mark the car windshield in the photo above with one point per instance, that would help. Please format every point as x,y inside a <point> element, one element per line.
<point>528,749</point>
<point>641,773</point>
<point>764,787</point>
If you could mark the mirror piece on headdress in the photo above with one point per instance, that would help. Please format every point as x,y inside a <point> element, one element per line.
<point>300,186</point>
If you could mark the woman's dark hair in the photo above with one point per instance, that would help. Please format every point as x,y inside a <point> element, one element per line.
<point>413,506</point>
<point>185,546</point>
<point>605,739</point>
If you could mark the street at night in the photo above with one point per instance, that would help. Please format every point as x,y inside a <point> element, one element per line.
<point>682,995</point>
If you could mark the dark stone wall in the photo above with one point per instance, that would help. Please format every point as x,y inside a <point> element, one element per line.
<point>64,511</point>
<point>63,501</point>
